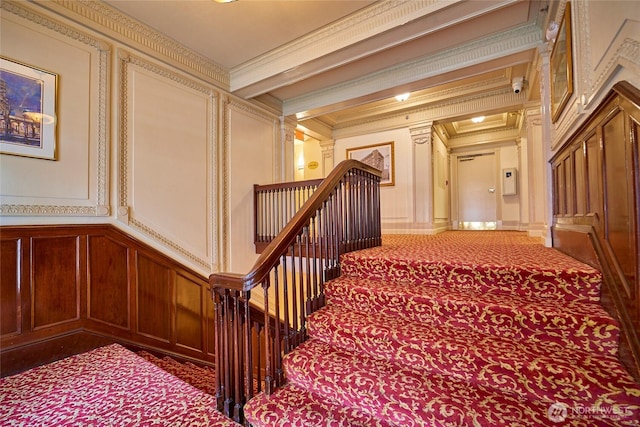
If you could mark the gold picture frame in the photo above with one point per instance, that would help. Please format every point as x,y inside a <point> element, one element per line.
<point>561,65</point>
<point>27,110</point>
<point>379,156</point>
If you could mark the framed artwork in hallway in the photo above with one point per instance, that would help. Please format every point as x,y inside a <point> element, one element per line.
<point>379,156</point>
<point>561,65</point>
<point>27,110</point>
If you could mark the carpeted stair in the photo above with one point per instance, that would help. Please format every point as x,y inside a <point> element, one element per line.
<point>458,329</point>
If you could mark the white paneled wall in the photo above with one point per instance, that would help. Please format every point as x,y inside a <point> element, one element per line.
<point>252,159</point>
<point>397,201</point>
<point>154,146</point>
<point>75,184</point>
<point>167,158</point>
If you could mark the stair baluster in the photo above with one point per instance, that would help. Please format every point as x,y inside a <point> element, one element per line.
<point>339,215</point>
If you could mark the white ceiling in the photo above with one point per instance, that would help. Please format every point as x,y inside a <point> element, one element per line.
<point>337,63</point>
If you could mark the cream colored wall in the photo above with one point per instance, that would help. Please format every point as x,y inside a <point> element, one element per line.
<point>396,202</point>
<point>74,184</point>
<point>510,205</point>
<point>148,139</point>
<point>441,182</point>
<point>606,36</point>
<point>251,155</point>
<point>312,156</point>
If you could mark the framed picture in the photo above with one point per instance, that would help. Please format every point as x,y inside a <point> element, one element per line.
<point>379,156</point>
<point>561,65</point>
<point>27,110</point>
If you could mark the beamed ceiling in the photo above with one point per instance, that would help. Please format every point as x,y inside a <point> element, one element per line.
<point>337,65</point>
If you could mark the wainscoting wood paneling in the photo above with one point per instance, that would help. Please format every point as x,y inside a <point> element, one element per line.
<point>596,189</point>
<point>108,282</point>
<point>189,313</point>
<point>153,299</point>
<point>56,286</point>
<point>61,283</point>
<point>10,285</point>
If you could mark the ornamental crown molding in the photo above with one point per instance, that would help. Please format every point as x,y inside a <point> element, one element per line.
<point>452,107</point>
<point>374,19</point>
<point>112,22</point>
<point>508,42</point>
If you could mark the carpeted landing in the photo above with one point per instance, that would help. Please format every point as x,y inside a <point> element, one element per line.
<point>464,328</point>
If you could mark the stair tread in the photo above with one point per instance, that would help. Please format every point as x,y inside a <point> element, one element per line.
<point>485,266</point>
<point>536,370</point>
<point>582,326</point>
<point>293,406</point>
<point>407,397</point>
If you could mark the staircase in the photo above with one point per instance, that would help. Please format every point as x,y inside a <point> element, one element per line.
<point>460,329</point>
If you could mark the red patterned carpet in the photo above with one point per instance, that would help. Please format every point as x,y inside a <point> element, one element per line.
<point>108,386</point>
<point>464,328</point>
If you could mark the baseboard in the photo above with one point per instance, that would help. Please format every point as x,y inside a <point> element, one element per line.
<point>27,356</point>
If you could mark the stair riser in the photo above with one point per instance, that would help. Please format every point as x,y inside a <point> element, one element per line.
<point>512,367</point>
<point>404,397</point>
<point>292,407</point>
<point>565,285</point>
<point>595,333</point>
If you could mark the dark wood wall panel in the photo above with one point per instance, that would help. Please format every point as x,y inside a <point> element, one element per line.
<point>210,328</point>
<point>579,167</point>
<point>596,185</point>
<point>594,174</point>
<point>619,233</point>
<point>60,282</point>
<point>108,282</point>
<point>55,280</point>
<point>10,287</point>
<point>154,299</point>
<point>189,303</point>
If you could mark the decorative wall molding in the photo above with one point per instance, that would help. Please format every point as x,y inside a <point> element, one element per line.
<point>229,103</point>
<point>48,210</point>
<point>627,53</point>
<point>102,51</point>
<point>457,107</point>
<point>224,164</point>
<point>515,40</point>
<point>421,134</point>
<point>624,51</point>
<point>127,60</point>
<point>114,23</point>
<point>582,43</point>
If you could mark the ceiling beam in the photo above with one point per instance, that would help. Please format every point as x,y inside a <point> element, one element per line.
<point>389,22</point>
<point>515,40</point>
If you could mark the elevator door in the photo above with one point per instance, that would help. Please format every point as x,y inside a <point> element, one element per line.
<point>477,192</point>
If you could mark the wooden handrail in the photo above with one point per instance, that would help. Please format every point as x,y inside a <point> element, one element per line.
<point>342,215</point>
<point>271,255</point>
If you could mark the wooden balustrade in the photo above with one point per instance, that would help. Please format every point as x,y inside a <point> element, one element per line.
<point>275,204</point>
<point>287,280</point>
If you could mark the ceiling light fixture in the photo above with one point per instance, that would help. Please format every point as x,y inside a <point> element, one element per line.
<point>402,97</point>
<point>224,1</point>
<point>478,119</point>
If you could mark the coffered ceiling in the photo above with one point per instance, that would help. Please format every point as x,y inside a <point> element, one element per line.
<point>337,65</point>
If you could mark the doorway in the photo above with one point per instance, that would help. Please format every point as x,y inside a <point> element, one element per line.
<point>477,192</point>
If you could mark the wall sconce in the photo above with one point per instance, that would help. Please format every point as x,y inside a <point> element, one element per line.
<point>402,97</point>
<point>552,32</point>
